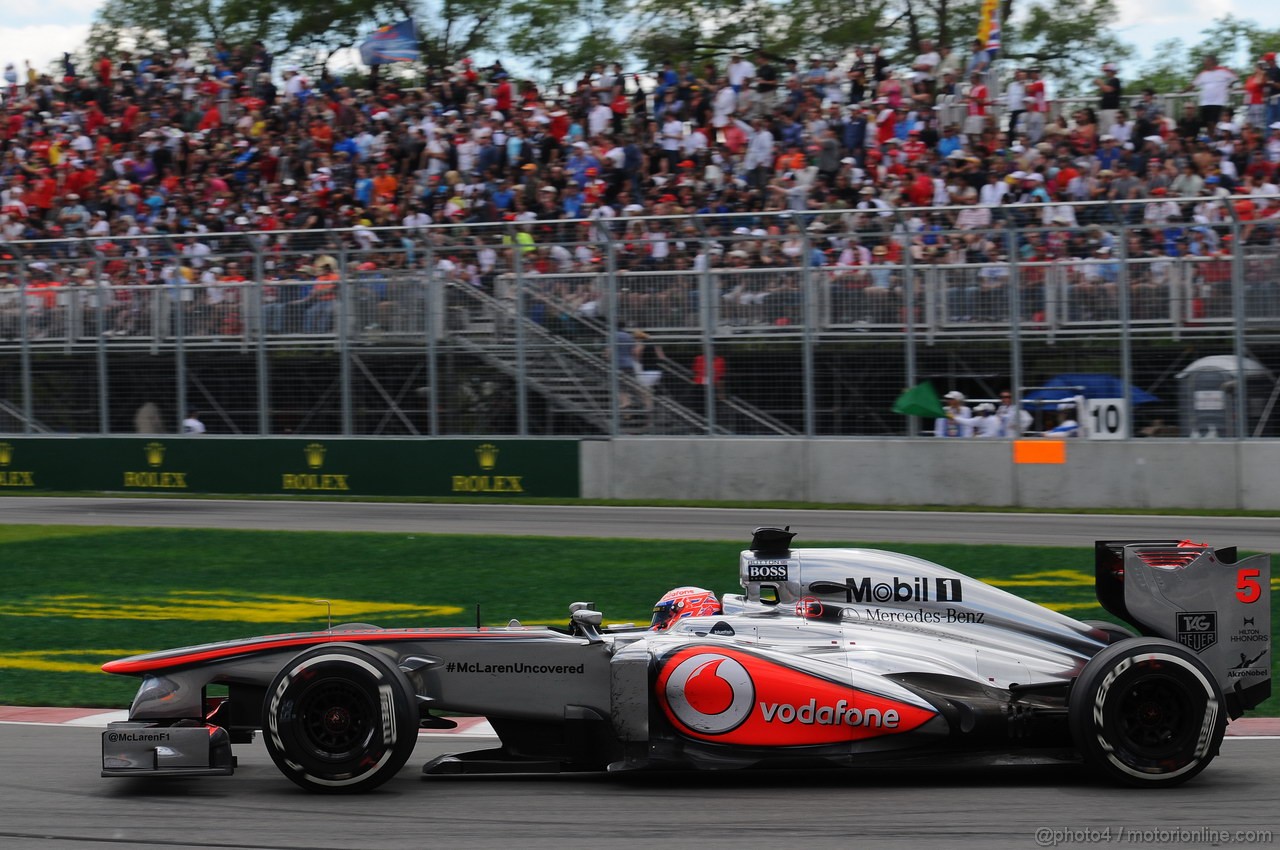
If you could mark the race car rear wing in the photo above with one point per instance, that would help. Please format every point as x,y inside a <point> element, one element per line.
<point>1209,600</point>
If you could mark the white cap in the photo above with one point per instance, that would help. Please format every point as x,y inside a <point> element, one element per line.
<point>955,394</point>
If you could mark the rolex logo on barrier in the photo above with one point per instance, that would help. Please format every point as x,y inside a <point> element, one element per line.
<point>154,479</point>
<point>155,454</point>
<point>13,477</point>
<point>313,454</point>
<point>487,458</point>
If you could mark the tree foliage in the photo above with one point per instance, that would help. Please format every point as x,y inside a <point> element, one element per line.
<point>560,39</point>
<point>447,29</point>
<point>1237,44</point>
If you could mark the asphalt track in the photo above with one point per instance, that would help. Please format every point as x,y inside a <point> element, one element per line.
<point>51,795</point>
<point>1255,533</point>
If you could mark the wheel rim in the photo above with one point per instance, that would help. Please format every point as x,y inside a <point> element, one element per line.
<point>335,719</point>
<point>1155,718</point>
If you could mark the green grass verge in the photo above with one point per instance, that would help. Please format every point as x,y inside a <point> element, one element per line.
<point>74,597</point>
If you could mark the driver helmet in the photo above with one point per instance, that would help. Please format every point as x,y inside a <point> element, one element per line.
<point>680,603</point>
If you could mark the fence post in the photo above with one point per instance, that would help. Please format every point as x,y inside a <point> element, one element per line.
<point>1239,318</point>
<point>430,323</point>
<point>1126,331</point>
<point>708,301</point>
<point>171,298</point>
<point>339,321</point>
<point>1015,324</point>
<point>258,296</point>
<point>24,330</point>
<point>100,344</point>
<point>809,315</point>
<point>522,374</point>
<point>909,315</point>
<point>613,325</point>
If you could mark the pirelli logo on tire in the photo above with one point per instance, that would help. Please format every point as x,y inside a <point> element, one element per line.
<point>1197,630</point>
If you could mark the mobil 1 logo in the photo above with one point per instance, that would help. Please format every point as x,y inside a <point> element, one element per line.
<point>1197,630</point>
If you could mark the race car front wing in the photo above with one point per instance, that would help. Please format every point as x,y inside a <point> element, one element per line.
<point>132,748</point>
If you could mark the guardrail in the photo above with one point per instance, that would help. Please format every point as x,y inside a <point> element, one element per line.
<point>817,319</point>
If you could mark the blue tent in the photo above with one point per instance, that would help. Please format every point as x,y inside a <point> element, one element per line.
<point>1089,385</point>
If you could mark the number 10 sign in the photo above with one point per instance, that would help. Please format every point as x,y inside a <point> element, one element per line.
<point>1107,419</point>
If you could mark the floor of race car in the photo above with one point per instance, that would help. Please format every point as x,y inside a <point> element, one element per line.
<point>51,797</point>
<point>468,727</point>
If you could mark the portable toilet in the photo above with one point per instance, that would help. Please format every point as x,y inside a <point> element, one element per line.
<point>1208,396</point>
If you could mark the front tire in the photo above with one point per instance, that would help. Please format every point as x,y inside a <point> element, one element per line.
<point>339,719</point>
<point>1147,712</point>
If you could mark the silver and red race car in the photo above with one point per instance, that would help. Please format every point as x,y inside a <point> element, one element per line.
<point>832,657</point>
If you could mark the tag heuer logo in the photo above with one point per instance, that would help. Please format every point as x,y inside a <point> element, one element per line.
<point>1197,630</point>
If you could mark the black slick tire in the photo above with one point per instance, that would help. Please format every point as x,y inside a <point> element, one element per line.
<point>339,718</point>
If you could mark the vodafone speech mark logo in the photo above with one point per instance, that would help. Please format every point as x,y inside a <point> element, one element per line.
<point>710,693</point>
<point>734,697</point>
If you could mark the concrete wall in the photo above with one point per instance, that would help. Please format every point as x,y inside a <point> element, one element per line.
<point>1191,474</point>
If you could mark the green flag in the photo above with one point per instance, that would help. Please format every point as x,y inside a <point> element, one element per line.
<point>920,400</point>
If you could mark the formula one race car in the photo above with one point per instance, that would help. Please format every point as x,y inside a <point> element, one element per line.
<point>834,657</point>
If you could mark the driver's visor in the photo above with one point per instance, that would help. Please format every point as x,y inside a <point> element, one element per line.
<point>663,614</point>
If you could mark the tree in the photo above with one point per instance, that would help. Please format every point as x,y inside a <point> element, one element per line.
<point>1068,39</point>
<point>448,30</point>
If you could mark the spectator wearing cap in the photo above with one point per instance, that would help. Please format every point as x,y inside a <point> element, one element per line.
<point>984,422</point>
<point>957,412</point>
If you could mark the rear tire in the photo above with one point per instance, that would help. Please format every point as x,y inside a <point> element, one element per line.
<point>1147,712</point>
<point>340,719</point>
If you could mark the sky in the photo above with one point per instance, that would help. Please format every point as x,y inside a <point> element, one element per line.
<point>41,30</point>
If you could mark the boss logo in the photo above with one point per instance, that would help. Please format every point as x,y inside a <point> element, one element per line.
<point>767,572</point>
<point>1197,630</point>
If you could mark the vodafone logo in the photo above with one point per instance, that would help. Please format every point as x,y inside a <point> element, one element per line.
<point>737,697</point>
<point>710,693</point>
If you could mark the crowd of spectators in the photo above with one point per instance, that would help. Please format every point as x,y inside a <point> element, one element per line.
<point>187,144</point>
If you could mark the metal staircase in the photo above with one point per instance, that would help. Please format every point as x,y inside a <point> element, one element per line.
<point>733,414</point>
<point>14,421</point>
<point>574,380</point>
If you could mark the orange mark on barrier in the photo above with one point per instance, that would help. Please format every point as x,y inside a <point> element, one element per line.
<point>1039,451</point>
